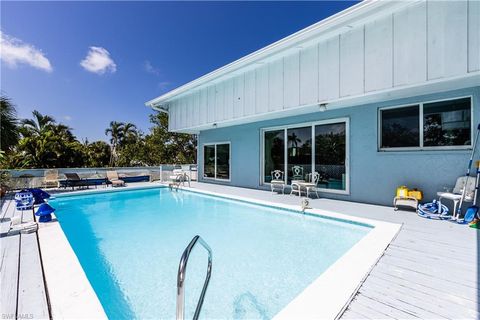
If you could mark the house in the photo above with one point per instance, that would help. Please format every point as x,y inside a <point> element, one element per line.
<point>382,94</point>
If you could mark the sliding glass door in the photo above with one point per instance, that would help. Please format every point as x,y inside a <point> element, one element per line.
<point>299,160</point>
<point>330,155</point>
<point>295,150</point>
<point>216,161</point>
<point>274,153</point>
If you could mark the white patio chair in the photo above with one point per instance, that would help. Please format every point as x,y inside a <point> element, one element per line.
<point>456,194</point>
<point>311,185</point>
<point>297,177</point>
<point>278,181</point>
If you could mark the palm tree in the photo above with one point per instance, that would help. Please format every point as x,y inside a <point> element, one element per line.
<point>39,124</point>
<point>116,132</point>
<point>8,124</point>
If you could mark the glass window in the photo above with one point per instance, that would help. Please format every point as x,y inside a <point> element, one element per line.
<point>447,123</point>
<point>400,127</point>
<point>299,153</point>
<point>274,148</point>
<point>223,161</point>
<point>209,161</point>
<point>330,155</point>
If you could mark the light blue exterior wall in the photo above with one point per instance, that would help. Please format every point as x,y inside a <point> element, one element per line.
<point>374,175</point>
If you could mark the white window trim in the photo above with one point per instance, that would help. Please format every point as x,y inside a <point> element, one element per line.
<point>229,161</point>
<point>420,108</point>
<point>345,120</point>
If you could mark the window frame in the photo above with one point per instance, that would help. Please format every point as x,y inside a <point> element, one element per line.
<point>312,124</point>
<point>229,161</point>
<point>421,147</point>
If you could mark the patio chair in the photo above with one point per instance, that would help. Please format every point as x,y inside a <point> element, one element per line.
<point>278,181</point>
<point>311,184</point>
<point>51,179</point>
<point>297,177</point>
<point>74,180</point>
<point>114,179</point>
<point>456,194</point>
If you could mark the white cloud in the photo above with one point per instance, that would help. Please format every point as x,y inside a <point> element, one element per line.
<point>147,65</point>
<point>98,61</point>
<point>163,85</point>
<point>67,118</point>
<point>14,51</point>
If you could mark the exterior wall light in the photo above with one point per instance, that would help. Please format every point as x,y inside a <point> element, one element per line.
<point>322,107</point>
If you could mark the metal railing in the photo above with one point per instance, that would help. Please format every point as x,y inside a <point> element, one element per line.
<point>182,268</point>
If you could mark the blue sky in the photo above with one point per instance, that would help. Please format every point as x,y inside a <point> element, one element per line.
<point>87,63</point>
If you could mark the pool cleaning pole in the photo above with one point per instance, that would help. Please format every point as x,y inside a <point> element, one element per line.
<point>464,191</point>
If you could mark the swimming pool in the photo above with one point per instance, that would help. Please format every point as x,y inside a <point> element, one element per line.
<point>129,244</point>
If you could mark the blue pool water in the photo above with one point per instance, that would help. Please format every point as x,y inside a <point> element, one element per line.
<point>129,243</point>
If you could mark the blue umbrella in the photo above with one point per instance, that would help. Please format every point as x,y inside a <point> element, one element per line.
<point>45,212</point>
<point>39,195</point>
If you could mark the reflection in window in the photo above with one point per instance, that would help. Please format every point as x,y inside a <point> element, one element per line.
<point>209,161</point>
<point>447,123</point>
<point>274,148</point>
<point>299,153</point>
<point>400,127</point>
<point>223,161</point>
<point>330,155</point>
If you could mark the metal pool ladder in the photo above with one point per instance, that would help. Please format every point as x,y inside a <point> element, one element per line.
<point>182,268</point>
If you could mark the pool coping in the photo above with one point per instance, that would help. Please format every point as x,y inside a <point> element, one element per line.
<point>337,285</point>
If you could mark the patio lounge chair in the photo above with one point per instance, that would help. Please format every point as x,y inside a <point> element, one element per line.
<point>74,180</point>
<point>278,181</point>
<point>456,194</point>
<point>51,179</point>
<point>114,179</point>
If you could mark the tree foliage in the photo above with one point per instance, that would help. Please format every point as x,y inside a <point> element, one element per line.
<point>41,142</point>
<point>8,124</point>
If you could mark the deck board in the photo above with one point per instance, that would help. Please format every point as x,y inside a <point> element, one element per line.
<point>23,293</point>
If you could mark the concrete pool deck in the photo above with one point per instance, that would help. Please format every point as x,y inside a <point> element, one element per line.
<point>428,271</point>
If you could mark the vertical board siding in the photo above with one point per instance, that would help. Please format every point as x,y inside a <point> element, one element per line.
<point>211,104</point>
<point>447,38</point>
<point>183,113</point>
<point>261,88</point>
<point>352,62</point>
<point>291,80</point>
<point>275,85</point>
<point>473,35</point>
<point>249,104</point>
<point>219,102</point>
<point>409,45</point>
<point>196,108</point>
<point>239,94</point>
<point>309,75</point>
<point>228,106</point>
<point>171,115</point>
<point>421,41</point>
<point>329,69</point>
<point>203,106</point>
<point>379,54</point>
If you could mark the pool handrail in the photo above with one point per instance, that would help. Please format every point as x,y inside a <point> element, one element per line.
<point>182,268</point>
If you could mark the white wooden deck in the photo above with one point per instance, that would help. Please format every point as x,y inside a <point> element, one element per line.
<point>22,288</point>
<point>429,271</point>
